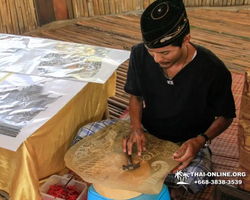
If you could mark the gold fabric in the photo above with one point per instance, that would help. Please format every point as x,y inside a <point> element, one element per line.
<point>42,154</point>
<point>244,133</point>
<point>98,159</point>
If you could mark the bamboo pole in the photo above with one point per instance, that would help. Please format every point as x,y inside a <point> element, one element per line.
<point>112,6</point>
<point>118,6</point>
<point>13,17</point>
<point>130,4</point>
<point>96,7</point>
<point>9,17</point>
<point>207,2</point>
<point>30,19</point>
<point>25,7</point>
<point>90,8</point>
<point>80,8</point>
<point>75,8</point>
<point>101,7</point>
<point>33,14</point>
<point>85,8</point>
<point>146,3</point>
<point>135,5</point>
<point>124,6</point>
<point>229,2</point>
<point>2,27</point>
<point>139,4</point>
<point>106,7</point>
<point>24,14</point>
<point>70,9</point>
<point>6,19</point>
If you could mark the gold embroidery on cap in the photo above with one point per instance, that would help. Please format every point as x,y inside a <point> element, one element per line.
<point>165,39</point>
<point>156,18</point>
<point>171,35</point>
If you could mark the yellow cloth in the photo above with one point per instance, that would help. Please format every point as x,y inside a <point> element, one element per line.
<point>42,154</point>
<point>244,133</point>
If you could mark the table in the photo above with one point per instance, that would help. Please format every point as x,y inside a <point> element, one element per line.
<point>42,154</point>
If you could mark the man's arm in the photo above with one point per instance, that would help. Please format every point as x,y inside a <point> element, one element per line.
<point>136,131</point>
<point>187,152</point>
<point>135,111</point>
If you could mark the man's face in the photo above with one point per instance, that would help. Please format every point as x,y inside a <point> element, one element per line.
<point>167,56</point>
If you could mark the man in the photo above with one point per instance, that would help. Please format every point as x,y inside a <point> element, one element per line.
<point>179,92</point>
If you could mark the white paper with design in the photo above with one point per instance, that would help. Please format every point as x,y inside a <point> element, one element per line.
<point>28,102</point>
<point>52,58</point>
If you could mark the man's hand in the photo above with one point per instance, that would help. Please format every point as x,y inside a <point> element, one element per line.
<point>187,152</point>
<point>137,136</point>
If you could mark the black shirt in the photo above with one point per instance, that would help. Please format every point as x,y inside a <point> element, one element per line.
<point>201,91</point>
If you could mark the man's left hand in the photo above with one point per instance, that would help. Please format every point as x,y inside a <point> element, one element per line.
<point>187,152</point>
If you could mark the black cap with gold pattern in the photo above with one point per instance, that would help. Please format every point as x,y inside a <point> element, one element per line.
<point>162,22</point>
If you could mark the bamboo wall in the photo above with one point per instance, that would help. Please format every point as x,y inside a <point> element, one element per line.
<point>19,16</point>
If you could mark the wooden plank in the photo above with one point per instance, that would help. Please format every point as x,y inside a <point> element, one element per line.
<point>45,11</point>
<point>60,9</point>
<point>110,28</point>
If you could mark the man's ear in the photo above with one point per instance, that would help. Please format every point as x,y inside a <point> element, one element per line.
<point>186,39</point>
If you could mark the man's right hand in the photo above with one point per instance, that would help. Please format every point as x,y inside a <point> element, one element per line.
<point>137,136</point>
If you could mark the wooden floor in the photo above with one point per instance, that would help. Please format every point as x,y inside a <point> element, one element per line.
<point>224,31</point>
